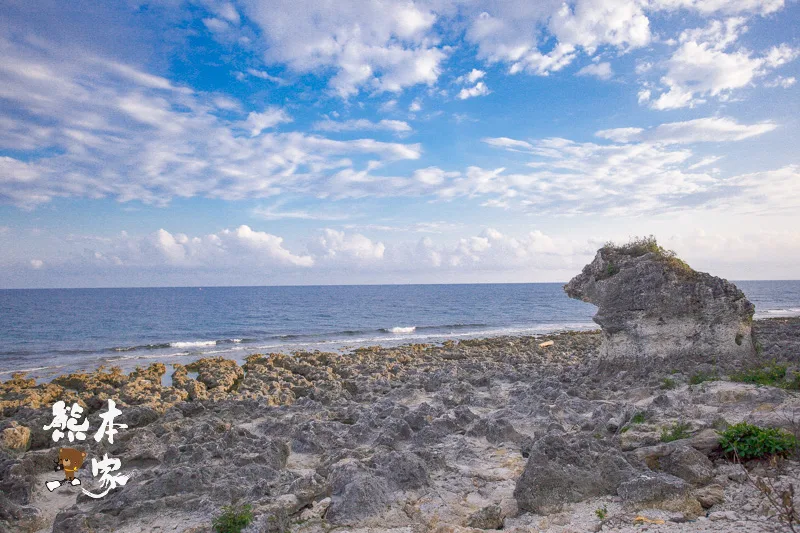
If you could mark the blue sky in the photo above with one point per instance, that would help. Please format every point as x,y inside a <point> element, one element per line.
<point>211,142</point>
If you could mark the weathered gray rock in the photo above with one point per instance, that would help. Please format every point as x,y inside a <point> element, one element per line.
<point>689,465</point>
<point>651,487</point>
<point>654,309</point>
<point>564,469</point>
<point>356,494</point>
<point>489,517</point>
<point>710,495</point>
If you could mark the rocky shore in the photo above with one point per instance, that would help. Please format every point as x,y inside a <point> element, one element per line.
<point>456,437</point>
<point>556,433</point>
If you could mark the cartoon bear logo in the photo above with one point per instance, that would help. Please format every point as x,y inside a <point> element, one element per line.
<point>69,460</point>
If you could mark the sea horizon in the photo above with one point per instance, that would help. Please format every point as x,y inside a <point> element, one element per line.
<point>734,281</point>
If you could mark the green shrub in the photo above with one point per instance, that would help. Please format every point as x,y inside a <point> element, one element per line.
<point>771,374</point>
<point>639,417</point>
<point>668,383</point>
<point>234,518</point>
<point>677,431</point>
<point>701,377</point>
<point>601,512</point>
<point>751,442</point>
<point>639,246</point>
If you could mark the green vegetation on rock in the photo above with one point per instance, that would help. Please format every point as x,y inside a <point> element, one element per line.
<point>701,377</point>
<point>751,442</point>
<point>772,374</point>
<point>677,431</point>
<point>639,246</point>
<point>234,518</point>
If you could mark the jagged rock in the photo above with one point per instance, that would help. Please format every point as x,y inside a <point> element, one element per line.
<point>402,470</point>
<point>490,517</point>
<point>217,373</point>
<point>563,469</point>
<point>152,372</point>
<point>195,389</point>
<point>356,494</point>
<point>16,438</point>
<point>678,459</point>
<point>655,310</point>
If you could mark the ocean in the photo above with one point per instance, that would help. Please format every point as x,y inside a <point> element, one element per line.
<point>48,332</point>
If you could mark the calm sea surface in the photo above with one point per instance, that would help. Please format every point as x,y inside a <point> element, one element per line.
<point>49,332</point>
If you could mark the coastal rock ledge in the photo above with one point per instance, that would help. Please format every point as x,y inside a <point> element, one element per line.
<point>653,308</point>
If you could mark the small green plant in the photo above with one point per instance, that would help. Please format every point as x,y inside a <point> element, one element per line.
<point>748,441</point>
<point>771,374</point>
<point>677,431</point>
<point>701,377</point>
<point>793,382</point>
<point>234,518</point>
<point>601,512</point>
<point>668,384</point>
<point>639,417</point>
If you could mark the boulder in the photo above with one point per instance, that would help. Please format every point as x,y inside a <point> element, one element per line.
<point>657,313</point>
<point>563,469</point>
<point>652,487</point>
<point>689,465</point>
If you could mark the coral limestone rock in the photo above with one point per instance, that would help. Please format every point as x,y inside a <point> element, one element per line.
<point>653,307</point>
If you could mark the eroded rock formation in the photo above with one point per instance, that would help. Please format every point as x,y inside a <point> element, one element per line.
<point>655,309</point>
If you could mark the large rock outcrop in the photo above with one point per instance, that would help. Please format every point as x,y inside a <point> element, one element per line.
<point>655,309</point>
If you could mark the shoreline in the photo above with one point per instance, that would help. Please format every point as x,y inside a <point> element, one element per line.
<point>239,349</point>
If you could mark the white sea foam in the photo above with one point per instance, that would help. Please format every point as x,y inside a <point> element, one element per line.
<point>34,369</point>
<point>195,344</point>
<point>774,313</point>
<point>401,329</point>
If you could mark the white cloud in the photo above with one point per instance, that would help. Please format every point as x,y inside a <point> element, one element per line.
<point>340,247</point>
<point>710,160</point>
<point>265,76</point>
<point>433,175</point>
<point>114,131</point>
<point>241,247</point>
<point>710,129</point>
<point>512,31</point>
<point>707,7</point>
<point>396,126</point>
<point>480,89</point>
<point>269,118</point>
<point>633,178</point>
<point>275,212</point>
<point>781,81</point>
<point>36,264</point>
<point>471,77</point>
<point>416,105</point>
<point>598,70</point>
<point>704,65</point>
<point>369,45</point>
